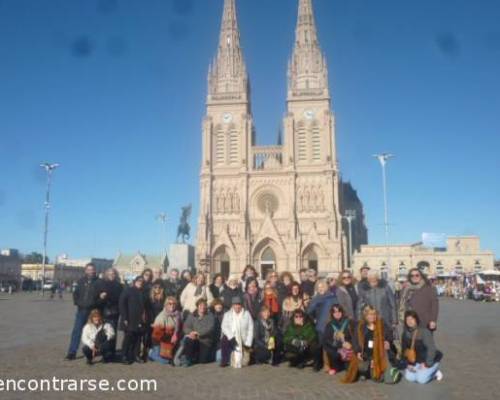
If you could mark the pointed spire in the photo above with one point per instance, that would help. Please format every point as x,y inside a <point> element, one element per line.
<point>307,69</point>
<point>228,78</point>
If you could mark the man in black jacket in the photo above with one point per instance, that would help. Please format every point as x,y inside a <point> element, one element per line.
<point>85,297</point>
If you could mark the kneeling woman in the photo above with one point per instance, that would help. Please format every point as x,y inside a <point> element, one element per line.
<point>301,342</point>
<point>371,342</point>
<point>337,340</point>
<point>166,332</point>
<point>266,341</point>
<point>419,351</point>
<point>98,338</point>
<point>199,331</point>
<point>237,336</point>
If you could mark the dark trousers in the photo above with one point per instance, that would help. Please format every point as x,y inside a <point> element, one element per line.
<point>197,352</point>
<point>131,344</point>
<point>334,357</point>
<point>298,357</point>
<point>106,350</point>
<point>226,348</point>
<point>114,323</point>
<point>81,317</point>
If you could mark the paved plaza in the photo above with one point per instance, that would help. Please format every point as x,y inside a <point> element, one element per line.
<point>35,333</point>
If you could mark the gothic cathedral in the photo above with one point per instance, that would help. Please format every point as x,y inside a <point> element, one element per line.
<point>274,207</point>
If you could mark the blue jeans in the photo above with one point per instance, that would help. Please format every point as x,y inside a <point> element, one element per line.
<point>421,374</point>
<point>154,355</point>
<point>76,335</point>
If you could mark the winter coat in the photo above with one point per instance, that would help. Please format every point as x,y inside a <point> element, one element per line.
<point>216,291</point>
<point>110,304</point>
<point>86,293</point>
<point>90,332</point>
<point>153,308</point>
<point>308,287</point>
<point>205,326</point>
<point>306,333</point>
<point>423,301</point>
<point>132,310</point>
<point>345,299</point>
<point>252,304</point>
<point>228,294</point>
<point>381,298</point>
<point>246,327</point>
<point>332,341</point>
<point>319,310</point>
<point>424,345</point>
<point>172,288</point>
<point>260,334</point>
<point>189,299</point>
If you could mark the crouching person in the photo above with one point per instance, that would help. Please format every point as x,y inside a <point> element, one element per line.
<point>166,333</point>
<point>98,338</point>
<point>337,340</point>
<point>199,330</point>
<point>237,336</point>
<point>266,341</point>
<point>419,351</point>
<point>301,342</point>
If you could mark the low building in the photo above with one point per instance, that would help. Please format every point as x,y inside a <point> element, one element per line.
<point>101,264</point>
<point>10,267</point>
<point>34,272</point>
<point>129,266</point>
<point>462,255</point>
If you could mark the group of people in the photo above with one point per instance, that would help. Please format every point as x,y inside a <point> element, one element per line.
<point>334,324</point>
<point>469,288</point>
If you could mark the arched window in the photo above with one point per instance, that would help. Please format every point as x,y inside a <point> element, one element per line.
<point>267,261</point>
<point>477,266</point>
<point>222,262</point>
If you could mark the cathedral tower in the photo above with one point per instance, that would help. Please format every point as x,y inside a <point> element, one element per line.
<point>275,207</point>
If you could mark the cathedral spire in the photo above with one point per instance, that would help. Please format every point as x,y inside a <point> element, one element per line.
<point>227,77</point>
<point>307,70</point>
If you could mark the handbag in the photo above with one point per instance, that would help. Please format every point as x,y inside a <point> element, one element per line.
<point>410,354</point>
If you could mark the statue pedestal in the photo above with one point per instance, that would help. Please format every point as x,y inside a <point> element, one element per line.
<point>181,256</point>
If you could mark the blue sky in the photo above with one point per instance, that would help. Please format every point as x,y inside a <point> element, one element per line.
<point>114,91</point>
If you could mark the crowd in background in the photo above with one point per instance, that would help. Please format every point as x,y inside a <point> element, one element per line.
<point>469,287</point>
<point>335,324</point>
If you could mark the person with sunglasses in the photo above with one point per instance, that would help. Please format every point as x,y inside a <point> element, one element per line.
<point>420,296</point>
<point>301,342</point>
<point>347,295</point>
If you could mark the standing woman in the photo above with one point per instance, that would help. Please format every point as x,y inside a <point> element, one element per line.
<point>249,273</point>
<point>294,301</point>
<point>133,314</point>
<point>370,343</point>
<point>337,340</point>
<point>166,333</point>
<point>347,295</point>
<point>420,296</point>
<point>217,286</point>
<point>419,351</point>
<point>270,299</point>
<point>195,290</point>
<point>251,298</point>
<point>231,289</point>
<point>147,274</point>
<point>113,288</point>
<point>155,302</point>
<point>284,285</point>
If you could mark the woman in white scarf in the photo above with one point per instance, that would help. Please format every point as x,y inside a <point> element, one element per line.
<point>237,335</point>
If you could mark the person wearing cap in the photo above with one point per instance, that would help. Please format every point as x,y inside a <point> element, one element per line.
<point>237,335</point>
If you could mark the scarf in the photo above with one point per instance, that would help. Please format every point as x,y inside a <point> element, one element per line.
<point>198,291</point>
<point>407,296</point>
<point>379,354</point>
<point>267,324</point>
<point>236,327</point>
<point>271,300</point>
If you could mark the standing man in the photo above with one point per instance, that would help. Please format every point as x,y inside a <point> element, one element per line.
<point>363,279</point>
<point>85,298</point>
<point>173,284</point>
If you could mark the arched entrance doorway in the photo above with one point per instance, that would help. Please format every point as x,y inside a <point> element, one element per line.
<point>222,262</point>
<point>310,258</point>
<point>267,261</point>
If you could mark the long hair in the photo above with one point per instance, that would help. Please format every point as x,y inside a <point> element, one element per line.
<point>95,313</point>
<point>424,277</point>
<point>153,296</point>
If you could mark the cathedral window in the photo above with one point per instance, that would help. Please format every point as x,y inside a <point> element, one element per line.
<point>233,146</point>
<point>315,143</point>
<point>301,143</point>
<point>220,146</point>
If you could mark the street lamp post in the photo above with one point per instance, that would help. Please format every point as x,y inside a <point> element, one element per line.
<point>49,168</point>
<point>383,158</point>
<point>350,215</point>
<point>162,219</point>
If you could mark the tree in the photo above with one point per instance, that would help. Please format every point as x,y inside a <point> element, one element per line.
<point>34,258</point>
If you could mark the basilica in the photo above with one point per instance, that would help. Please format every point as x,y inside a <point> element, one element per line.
<point>274,207</point>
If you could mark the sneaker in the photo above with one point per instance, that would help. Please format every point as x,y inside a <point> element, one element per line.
<point>332,372</point>
<point>439,375</point>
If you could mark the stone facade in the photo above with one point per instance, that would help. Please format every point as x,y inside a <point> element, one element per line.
<point>129,266</point>
<point>462,254</point>
<point>275,207</point>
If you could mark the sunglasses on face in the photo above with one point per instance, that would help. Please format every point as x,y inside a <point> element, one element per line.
<point>346,277</point>
<point>415,275</point>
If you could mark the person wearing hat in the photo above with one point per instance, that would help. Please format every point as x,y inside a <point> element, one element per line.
<point>237,335</point>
